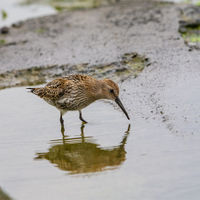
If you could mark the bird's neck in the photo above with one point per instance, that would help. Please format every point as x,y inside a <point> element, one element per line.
<point>102,89</point>
<point>96,90</point>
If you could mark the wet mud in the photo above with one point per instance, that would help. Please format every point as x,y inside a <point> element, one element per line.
<point>95,36</point>
<point>190,26</point>
<point>129,66</point>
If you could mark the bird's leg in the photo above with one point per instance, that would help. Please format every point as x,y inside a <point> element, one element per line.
<point>81,118</point>
<point>61,119</point>
<point>62,124</point>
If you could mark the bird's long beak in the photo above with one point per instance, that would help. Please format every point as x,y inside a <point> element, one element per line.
<point>117,100</point>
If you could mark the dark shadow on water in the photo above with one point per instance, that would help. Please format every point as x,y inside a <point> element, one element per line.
<point>83,155</point>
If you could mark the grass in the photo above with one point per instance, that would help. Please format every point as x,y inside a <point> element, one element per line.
<point>4,14</point>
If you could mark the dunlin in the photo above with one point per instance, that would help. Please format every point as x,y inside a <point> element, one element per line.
<point>75,92</point>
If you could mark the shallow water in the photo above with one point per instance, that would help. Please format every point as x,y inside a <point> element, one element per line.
<point>183,1</point>
<point>99,161</point>
<point>16,12</point>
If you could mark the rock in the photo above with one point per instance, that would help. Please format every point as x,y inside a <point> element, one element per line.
<point>17,24</point>
<point>4,30</point>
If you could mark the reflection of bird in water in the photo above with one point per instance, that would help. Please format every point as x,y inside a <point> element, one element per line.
<point>76,92</point>
<point>82,155</point>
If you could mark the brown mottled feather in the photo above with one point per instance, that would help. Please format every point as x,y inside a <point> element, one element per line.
<point>53,90</point>
<point>75,92</point>
<point>58,87</point>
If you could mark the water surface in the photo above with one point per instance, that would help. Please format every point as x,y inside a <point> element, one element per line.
<point>16,12</point>
<point>99,161</point>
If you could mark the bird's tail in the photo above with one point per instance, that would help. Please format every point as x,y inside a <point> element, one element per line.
<point>47,93</point>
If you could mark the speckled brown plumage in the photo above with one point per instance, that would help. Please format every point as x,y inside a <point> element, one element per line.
<point>75,92</point>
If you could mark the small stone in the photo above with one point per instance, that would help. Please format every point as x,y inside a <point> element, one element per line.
<point>17,24</point>
<point>5,30</point>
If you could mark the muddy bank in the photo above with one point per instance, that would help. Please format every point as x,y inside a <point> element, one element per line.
<point>94,36</point>
<point>129,66</point>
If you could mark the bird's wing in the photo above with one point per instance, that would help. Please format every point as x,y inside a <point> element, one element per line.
<point>57,83</point>
<point>53,90</point>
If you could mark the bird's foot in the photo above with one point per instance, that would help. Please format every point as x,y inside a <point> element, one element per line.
<point>83,121</point>
<point>81,118</point>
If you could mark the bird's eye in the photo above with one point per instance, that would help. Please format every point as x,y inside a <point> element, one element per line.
<point>111,91</point>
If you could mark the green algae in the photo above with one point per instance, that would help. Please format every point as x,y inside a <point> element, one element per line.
<point>40,30</point>
<point>189,26</point>
<point>61,5</point>
<point>130,65</point>
<point>192,36</point>
<point>4,14</point>
<point>197,3</point>
<point>2,42</point>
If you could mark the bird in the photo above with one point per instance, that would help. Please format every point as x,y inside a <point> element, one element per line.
<point>75,92</point>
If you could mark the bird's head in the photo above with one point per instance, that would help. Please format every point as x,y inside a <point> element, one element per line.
<point>110,90</point>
